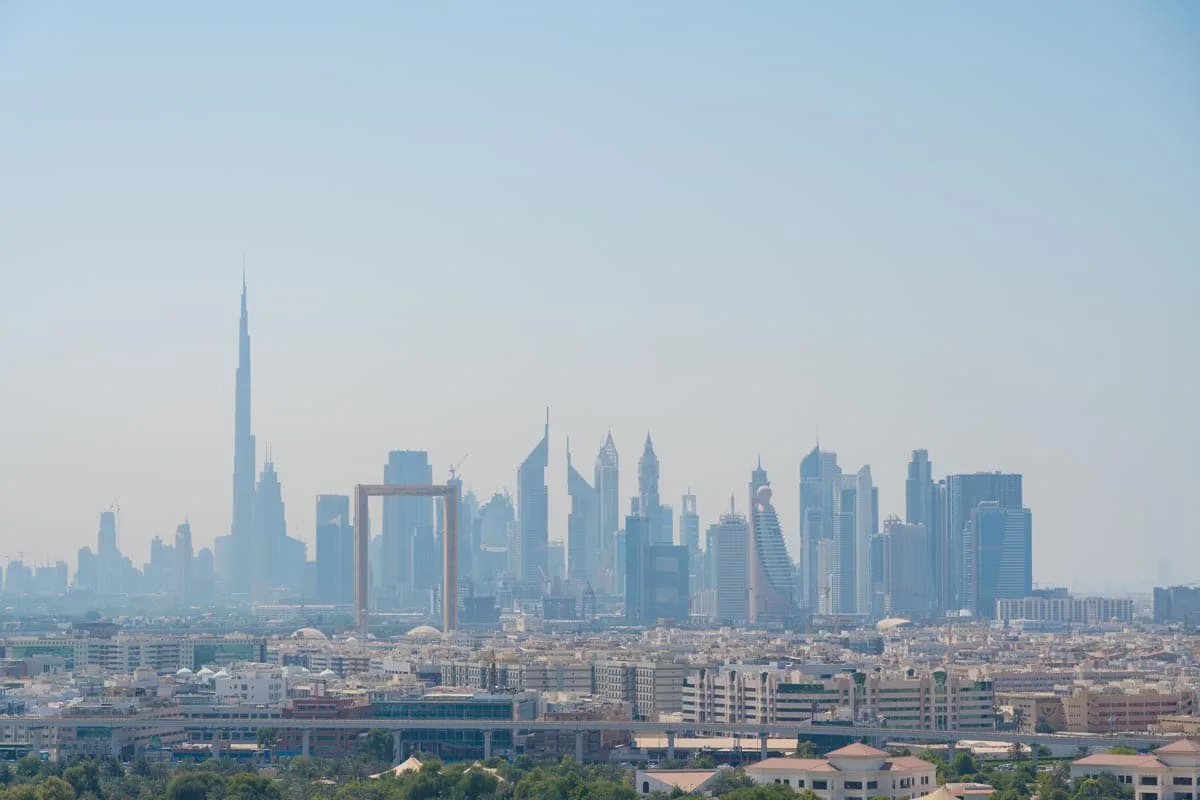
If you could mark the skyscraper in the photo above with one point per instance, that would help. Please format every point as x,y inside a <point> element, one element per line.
<point>243,529</point>
<point>865,511</point>
<point>533,515</point>
<point>770,567</point>
<point>407,524</point>
<point>656,576</point>
<point>998,542</point>
<point>648,500</point>
<point>607,485</point>
<point>689,526</point>
<point>844,582</point>
<point>907,574</point>
<point>918,498</point>
<point>820,480</point>
<point>108,557</point>
<point>731,568</point>
<point>963,494</point>
<point>184,587</point>
<point>335,550</point>
<point>270,530</point>
<point>583,528</point>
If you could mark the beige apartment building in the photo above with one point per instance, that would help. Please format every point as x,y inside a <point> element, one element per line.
<point>1171,772</point>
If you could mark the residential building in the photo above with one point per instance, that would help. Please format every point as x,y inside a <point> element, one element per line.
<point>731,568</point>
<point>1070,610</point>
<point>1177,604</point>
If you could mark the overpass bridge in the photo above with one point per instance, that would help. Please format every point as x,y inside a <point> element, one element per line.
<point>671,730</point>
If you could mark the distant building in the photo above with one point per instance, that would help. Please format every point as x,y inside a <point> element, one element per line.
<point>335,550</point>
<point>730,558</point>
<point>770,568</point>
<point>998,556</point>
<point>1071,610</point>
<point>407,532</point>
<point>656,576</point>
<point>1112,711</point>
<point>907,577</point>
<point>963,494</point>
<point>584,555</point>
<point>649,504</point>
<point>607,485</point>
<point>1177,604</point>
<point>689,527</point>
<point>533,518</point>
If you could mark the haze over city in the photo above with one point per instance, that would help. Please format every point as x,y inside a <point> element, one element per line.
<point>738,233</point>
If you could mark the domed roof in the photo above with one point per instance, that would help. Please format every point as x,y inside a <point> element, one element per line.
<point>204,672</point>
<point>221,673</point>
<point>425,632</point>
<point>763,495</point>
<point>328,673</point>
<point>183,672</point>
<point>311,634</point>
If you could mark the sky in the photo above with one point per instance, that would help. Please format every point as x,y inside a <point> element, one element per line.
<point>972,228</point>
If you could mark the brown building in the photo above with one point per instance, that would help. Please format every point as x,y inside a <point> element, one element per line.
<point>322,742</point>
<point>1106,711</point>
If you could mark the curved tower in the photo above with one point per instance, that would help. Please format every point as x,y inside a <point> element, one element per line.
<point>770,566</point>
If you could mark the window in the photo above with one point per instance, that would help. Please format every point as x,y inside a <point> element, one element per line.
<point>820,784</point>
<point>645,787</point>
<point>852,785</point>
<point>1149,795</point>
<point>1184,781</point>
<point>1148,780</point>
<point>1183,796</point>
<point>872,784</point>
<point>788,782</point>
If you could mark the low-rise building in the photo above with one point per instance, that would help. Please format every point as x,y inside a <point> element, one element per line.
<point>1171,772</point>
<point>854,772</point>
<point>1112,709</point>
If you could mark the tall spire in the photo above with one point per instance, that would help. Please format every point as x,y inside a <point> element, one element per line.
<point>242,528</point>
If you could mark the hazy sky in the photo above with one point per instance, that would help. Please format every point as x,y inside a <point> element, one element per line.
<point>969,227</point>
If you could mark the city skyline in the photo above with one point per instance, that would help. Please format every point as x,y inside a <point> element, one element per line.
<point>813,223</point>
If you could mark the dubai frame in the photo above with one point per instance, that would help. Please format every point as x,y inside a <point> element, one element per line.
<point>362,544</point>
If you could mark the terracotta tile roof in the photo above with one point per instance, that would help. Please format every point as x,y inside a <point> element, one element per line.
<point>1181,747</point>
<point>858,750</point>
<point>1141,761</point>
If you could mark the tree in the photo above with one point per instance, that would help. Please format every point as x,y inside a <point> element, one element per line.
<point>55,789</point>
<point>251,787</point>
<point>378,745</point>
<point>195,786</point>
<point>729,780</point>
<point>805,749</point>
<point>29,767</point>
<point>963,764</point>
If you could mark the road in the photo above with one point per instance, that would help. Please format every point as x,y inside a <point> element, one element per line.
<point>751,731</point>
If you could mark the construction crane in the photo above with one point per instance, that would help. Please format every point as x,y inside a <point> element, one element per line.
<point>454,467</point>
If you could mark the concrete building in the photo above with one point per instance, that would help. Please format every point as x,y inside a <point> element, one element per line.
<point>1177,604</point>
<point>407,524</point>
<point>650,687</point>
<point>689,527</point>
<point>251,684</point>
<point>649,504</point>
<point>854,772</point>
<point>931,701</point>
<point>656,576</point>
<point>1070,610</point>
<point>866,523</point>
<point>1036,712</point>
<point>1171,771</point>
<point>1112,710</point>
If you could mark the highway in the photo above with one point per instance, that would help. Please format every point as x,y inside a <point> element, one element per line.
<point>1141,741</point>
